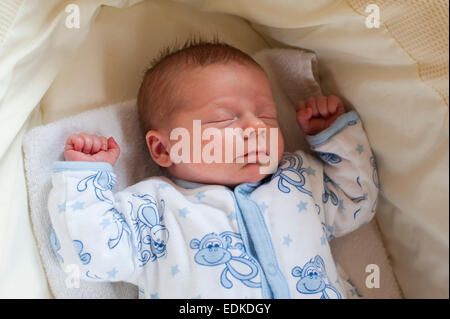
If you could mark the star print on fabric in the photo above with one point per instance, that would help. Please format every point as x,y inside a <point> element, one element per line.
<point>112,273</point>
<point>62,207</point>
<point>77,206</point>
<point>154,296</point>
<point>287,240</point>
<point>302,206</point>
<point>105,223</point>
<point>263,207</point>
<point>359,148</point>
<point>310,171</point>
<point>200,195</point>
<point>183,212</point>
<point>174,270</point>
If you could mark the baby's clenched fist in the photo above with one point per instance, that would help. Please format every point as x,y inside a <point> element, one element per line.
<point>316,114</point>
<point>91,148</point>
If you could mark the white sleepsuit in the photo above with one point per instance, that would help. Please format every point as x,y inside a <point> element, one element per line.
<point>177,239</point>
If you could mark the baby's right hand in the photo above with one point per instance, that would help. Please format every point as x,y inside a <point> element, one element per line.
<point>91,148</point>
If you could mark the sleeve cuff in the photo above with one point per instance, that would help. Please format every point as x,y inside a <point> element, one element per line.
<point>60,166</point>
<point>349,118</point>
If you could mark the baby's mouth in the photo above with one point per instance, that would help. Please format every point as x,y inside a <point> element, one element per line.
<point>259,156</point>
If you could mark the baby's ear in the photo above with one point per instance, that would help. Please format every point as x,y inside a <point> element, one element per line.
<point>157,143</point>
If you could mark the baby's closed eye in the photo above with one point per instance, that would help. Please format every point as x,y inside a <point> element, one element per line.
<point>267,112</point>
<point>268,117</point>
<point>221,119</point>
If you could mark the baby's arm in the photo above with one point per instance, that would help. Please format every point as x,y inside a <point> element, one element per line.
<point>91,228</point>
<point>350,180</point>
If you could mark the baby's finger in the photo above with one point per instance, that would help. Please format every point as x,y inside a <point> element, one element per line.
<point>322,106</point>
<point>87,147</point>
<point>96,144</point>
<point>334,103</point>
<point>304,114</point>
<point>74,142</point>
<point>311,102</point>
<point>113,148</point>
<point>332,106</point>
<point>104,142</point>
<point>304,117</point>
<point>112,144</point>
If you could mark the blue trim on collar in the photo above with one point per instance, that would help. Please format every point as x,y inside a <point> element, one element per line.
<point>341,122</point>
<point>186,184</point>
<point>60,166</point>
<point>266,292</point>
<point>262,243</point>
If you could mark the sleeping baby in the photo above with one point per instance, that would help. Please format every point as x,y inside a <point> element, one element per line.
<point>253,224</point>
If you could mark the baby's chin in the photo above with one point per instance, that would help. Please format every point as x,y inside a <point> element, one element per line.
<point>231,177</point>
<point>251,173</point>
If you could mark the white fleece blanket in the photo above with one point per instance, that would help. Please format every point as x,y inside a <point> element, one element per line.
<point>293,75</point>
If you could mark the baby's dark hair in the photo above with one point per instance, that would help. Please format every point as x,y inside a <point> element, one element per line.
<point>157,94</point>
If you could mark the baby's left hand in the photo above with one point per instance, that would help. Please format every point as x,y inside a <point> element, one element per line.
<point>316,114</point>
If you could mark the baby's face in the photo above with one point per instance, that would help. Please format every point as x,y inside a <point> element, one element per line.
<point>225,96</point>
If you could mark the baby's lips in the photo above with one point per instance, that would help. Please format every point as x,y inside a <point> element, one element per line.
<point>259,156</point>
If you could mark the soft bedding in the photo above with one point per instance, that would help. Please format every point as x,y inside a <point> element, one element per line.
<point>293,76</point>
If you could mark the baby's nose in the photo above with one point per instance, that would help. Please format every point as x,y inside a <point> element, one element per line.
<point>254,123</point>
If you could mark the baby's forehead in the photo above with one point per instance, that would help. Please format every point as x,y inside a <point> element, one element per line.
<point>220,82</point>
<point>185,74</point>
